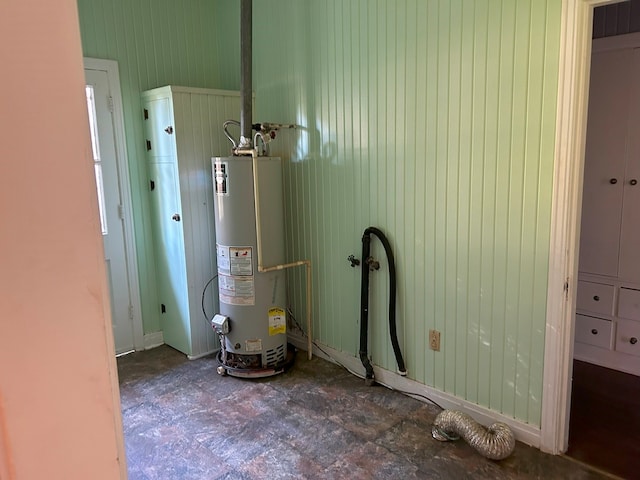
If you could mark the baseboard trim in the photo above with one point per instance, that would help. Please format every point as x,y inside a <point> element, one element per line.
<point>523,432</point>
<point>205,354</point>
<point>153,340</point>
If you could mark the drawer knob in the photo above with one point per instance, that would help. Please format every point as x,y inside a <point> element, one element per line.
<point>613,181</point>
<point>596,298</point>
<point>633,181</point>
<point>594,331</point>
<point>633,340</point>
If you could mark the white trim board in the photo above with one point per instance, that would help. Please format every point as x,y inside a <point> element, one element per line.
<point>629,40</point>
<point>153,340</point>
<point>607,358</point>
<point>571,122</point>
<point>156,339</point>
<point>523,432</point>
<point>204,354</point>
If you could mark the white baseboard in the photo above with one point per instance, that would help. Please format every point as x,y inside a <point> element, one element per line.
<point>205,354</point>
<point>153,340</point>
<point>523,432</point>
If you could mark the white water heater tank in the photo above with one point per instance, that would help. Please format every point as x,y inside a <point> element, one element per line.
<point>254,302</point>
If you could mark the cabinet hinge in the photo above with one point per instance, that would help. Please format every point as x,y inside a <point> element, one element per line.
<point>130,312</point>
<point>152,185</point>
<point>566,289</point>
<point>110,103</point>
<point>146,114</point>
<point>121,212</point>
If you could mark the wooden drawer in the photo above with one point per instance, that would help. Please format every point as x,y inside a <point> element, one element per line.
<point>628,337</point>
<point>595,297</point>
<point>593,331</point>
<point>629,304</point>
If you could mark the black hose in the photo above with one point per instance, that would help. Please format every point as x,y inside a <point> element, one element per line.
<point>364,302</point>
<point>364,310</point>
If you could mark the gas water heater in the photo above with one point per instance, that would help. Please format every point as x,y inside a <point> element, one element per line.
<point>249,223</point>
<point>252,319</point>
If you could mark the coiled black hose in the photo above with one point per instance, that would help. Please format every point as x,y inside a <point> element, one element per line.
<point>364,303</point>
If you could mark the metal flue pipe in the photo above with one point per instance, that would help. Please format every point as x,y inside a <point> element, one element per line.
<point>246,89</point>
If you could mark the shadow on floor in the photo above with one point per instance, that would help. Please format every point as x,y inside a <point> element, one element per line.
<point>317,421</point>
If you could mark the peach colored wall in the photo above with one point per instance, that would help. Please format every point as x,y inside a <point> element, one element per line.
<point>59,404</point>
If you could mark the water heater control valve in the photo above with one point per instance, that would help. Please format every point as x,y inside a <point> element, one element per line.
<point>220,324</point>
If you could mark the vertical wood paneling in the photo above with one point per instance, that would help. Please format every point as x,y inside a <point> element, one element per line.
<point>155,43</point>
<point>616,19</point>
<point>433,120</point>
<point>475,328</point>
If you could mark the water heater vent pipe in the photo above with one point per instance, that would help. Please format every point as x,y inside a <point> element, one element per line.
<point>245,73</point>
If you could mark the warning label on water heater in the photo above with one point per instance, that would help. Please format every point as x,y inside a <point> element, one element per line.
<point>236,290</point>
<point>235,275</point>
<point>234,260</point>
<point>277,321</point>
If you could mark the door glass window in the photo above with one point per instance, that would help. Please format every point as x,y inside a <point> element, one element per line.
<point>91,106</point>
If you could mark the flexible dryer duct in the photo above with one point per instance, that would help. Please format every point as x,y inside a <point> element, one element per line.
<point>495,442</point>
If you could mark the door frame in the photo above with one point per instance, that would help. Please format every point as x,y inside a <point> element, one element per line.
<point>124,183</point>
<point>571,125</point>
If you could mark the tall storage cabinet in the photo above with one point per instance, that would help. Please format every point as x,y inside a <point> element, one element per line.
<point>183,130</point>
<point>608,297</point>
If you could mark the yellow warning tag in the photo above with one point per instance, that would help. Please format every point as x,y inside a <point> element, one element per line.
<point>277,321</point>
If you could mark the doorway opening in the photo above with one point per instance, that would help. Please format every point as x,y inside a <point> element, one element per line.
<point>605,398</point>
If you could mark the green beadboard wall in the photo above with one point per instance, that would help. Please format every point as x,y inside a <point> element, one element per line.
<point>433,120</point>
<point>156,43</point>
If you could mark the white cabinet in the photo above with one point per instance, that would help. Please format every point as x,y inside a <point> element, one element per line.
<point>610,240</point>
<point>608,297</point>
<point>183,130</point>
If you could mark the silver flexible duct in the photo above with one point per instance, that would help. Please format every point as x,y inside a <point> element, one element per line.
<point>495,442</point>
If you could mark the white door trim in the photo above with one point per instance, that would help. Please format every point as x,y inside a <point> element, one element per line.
<point>571,124</point>
<point>113,76</point>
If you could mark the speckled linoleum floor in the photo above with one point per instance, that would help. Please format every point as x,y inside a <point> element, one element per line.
<point>317,421</point>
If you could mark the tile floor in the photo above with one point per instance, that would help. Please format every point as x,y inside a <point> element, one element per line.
<point>317,421</point>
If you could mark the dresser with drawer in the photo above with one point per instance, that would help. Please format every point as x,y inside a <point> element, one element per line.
<point>607,329</point>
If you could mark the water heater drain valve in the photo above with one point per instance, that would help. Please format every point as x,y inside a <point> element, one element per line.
<point>220,324</point>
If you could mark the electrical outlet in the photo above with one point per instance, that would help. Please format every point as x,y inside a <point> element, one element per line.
<point>434,340</point>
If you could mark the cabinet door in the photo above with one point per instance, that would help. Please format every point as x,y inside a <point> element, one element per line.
<point>170,256</point>
<point>605,153</point>
<point>630,233</point>
<point>159,128</point>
